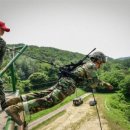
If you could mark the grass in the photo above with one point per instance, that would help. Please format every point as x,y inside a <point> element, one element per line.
<point>47,111</point>
<point>115,117</point>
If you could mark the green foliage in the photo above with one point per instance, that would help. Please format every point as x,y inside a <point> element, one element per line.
<point>125,86</point>
<point>114,108</point>
<point>7,82</point>
<point>26,66</point>
<point>127,113</point>
<point>114,78</point>
<point>125,62</point>
<point>21,85</point>
<point>52,54</point>
<point>120,106</point>
<point>117,102</point>
<point>38,78</point>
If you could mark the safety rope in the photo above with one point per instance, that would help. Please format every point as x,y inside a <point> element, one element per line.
<point>76,92</point>
<point>93,90</point>
<point>36,58</point>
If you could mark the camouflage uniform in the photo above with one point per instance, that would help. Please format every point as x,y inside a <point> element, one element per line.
<point>2,52</point>
<point>65,87</point>
<point>50,97</point>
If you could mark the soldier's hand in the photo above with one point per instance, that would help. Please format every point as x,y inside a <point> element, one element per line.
<point>109,86</point>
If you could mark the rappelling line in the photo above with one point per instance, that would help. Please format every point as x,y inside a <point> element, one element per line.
<point>36,58</point>
<point>93,90</point>
<point>76,92</point>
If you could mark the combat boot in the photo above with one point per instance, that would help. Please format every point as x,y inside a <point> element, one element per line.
<point>14,111</point>
<point>13,101</point>
<point>10,102</point>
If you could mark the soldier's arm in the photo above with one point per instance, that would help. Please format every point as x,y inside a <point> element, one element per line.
<point>106,84</point>
<point>93,78</point>
<point>96,82</point>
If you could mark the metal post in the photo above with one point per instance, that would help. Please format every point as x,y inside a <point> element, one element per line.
<point>13,77</point>
<point>13,60</point>
<point>12,69</point>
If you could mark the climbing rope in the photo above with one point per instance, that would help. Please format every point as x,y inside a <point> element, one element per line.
<point>93,90</point>
<point>36,58</point>
<point>76,92</point>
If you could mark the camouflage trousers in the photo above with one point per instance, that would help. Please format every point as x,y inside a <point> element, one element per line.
<point>2,94</point>
<point>47,98</point>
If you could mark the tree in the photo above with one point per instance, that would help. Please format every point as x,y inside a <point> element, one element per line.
<point>125,86</point>
<point>113,77</point>
<point>38,80</point>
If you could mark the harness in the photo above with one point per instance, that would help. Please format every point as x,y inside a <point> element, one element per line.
<point>67,70</point>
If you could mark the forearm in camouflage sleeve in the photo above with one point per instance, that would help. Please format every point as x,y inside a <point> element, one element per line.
<point>103,83</point>
<point>94,82</point>
<point>35,95</point>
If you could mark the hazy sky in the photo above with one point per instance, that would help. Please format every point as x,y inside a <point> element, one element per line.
<point>74,25</point>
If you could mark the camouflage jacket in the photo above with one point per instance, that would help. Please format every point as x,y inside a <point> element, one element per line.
<point>2,49</point>
<point>88,72</point>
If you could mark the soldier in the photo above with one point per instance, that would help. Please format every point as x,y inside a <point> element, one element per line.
<point>3,29</point>
<point>63,88</point>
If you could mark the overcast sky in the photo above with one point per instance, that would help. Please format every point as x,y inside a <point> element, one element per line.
<point>74,25</point>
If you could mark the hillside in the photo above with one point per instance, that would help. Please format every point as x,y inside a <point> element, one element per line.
<point>33,74</point>
<point>123,58</point>
<point>51,54</point>
<point>34,60</point>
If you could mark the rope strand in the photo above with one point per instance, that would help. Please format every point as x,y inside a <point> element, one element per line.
<point>97,109</point>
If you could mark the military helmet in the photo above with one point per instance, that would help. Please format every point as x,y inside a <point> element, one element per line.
<point>98,56</point>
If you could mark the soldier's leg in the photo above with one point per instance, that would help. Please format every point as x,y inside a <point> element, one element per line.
<point>5,103</point>
<point>27,97</point>
<point>46,102</point>
<point>63,89</point>
<point>34,105</point>
<point>35,95</point>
